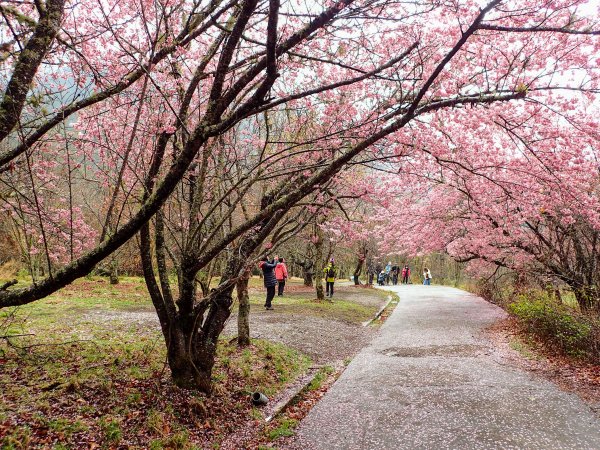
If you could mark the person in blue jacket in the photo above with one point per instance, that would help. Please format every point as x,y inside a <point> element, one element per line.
<point>270,281</point>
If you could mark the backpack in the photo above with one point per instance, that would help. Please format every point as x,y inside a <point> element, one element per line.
<point>330,272</point>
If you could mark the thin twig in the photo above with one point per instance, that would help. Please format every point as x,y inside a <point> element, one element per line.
<point>8,336</point>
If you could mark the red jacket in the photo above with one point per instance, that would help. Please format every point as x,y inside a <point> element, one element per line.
<point>281,272</point>
<point>405,272</point>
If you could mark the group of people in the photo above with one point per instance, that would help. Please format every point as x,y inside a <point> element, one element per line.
<point>275,274</point>
<point>392,273</point>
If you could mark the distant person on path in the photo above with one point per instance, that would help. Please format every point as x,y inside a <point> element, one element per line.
<point>405,274</point>
<point>281,274</point>
<point>395,271</point>
<point>270,281</point>
<point>330,275</point>
<point>381,278</point>
<point>388,269</point>
<point>426,277</point>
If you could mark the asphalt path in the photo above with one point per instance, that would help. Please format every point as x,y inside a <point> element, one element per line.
<point>430,380</point>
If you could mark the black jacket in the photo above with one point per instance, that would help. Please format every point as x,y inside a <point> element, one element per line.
<point>268,273</point>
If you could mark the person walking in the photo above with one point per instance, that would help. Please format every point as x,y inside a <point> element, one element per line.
<point>330,275</point>
<point>405,274</point>
<point>395,271</point>
<point>269,279</point>
<point>388,269</point>
<point>426,277</point>
<point>281,274</point>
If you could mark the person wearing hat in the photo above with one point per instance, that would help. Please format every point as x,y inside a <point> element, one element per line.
<point>330,273</point>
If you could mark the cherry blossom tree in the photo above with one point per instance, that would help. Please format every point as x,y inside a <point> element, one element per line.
<point>154,97</point>
<point>527,199</point>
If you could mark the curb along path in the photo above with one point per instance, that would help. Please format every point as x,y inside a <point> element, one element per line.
<point>430,381</point>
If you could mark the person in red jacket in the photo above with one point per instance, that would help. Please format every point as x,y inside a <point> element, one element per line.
<point>405,274</point>
<point>281,274</point>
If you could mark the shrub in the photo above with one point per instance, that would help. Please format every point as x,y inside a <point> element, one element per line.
<point>559,326</point>
<point>495,292</point>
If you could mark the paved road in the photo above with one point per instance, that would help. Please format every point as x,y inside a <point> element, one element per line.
<point>430,381</point>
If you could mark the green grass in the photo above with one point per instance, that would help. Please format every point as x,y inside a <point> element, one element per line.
<point>523,348</point>
<point>303,304</point>
<point>284,428</point>
<point>320,377</point>
<point>112,430</point>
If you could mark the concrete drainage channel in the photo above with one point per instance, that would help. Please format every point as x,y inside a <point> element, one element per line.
<point>290,394</point>
<point>392,301</point>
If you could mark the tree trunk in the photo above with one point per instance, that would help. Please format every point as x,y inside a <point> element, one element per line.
<point>188,369</point>
<point>358,270</point>
<point>192,348</point>
<point>243,310</point>
<point>557,295</point>
<point>587,298</point>
<point>307,273</point>
<point>319,264</point>
<point>114,271</point>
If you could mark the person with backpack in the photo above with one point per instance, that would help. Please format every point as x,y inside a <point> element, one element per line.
<point>405,274</point>
<point>269,279</point>
<point>330,275</point>
<point>426,277</point>
<point>281,274</point>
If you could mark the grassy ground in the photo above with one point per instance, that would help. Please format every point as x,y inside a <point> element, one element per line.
<point>89,370</point>
<point>303,301</point>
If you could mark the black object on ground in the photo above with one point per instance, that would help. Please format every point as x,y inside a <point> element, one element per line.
<point>259,398</point>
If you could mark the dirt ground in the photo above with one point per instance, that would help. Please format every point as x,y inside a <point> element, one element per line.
<point>324,339</point>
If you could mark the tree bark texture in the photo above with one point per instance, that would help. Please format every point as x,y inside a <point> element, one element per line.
<point>307,274</point>
<point>114,270</point>
<point>319,263</point>
<point>359,267</point>
<point>27,65</point>
<point>243,310</point>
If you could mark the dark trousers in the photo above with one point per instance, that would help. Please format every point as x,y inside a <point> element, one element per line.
<point>270,295</point>
<point>280,286</point>
<point>329,288</point>
<point>405,279</point>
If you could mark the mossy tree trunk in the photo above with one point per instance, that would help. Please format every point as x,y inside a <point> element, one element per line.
<point>114,270</point>
<point>243,310</point>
